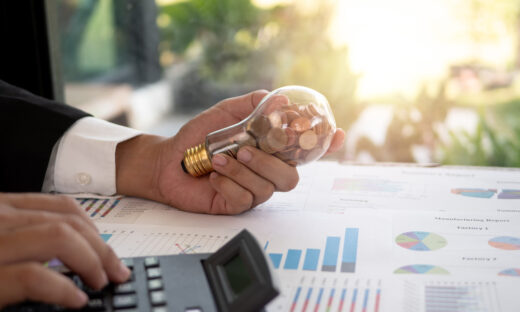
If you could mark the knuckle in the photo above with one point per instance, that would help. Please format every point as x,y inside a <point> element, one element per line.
<point>75,221</point>
<point>60,231</point>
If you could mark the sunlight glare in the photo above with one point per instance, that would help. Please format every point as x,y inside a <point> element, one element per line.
<point>398,45</point>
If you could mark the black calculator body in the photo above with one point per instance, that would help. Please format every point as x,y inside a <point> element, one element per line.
<point>237,277</point>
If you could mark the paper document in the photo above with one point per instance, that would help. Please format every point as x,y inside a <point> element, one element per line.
<point>357,238</point>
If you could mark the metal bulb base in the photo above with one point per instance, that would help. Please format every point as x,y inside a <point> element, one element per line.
<point>197,161</point>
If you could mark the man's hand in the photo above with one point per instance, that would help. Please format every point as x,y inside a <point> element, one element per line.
<point>149,166</point>
<point>37,228</point>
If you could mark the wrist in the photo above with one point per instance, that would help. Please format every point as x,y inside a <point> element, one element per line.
<point>137,164</point>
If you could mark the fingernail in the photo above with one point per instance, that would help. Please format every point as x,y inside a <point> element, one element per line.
<point>244,155</point>
<point>81,298</point>
<point>219,160</point>
<point>124,272</point>
<point>213,175</point>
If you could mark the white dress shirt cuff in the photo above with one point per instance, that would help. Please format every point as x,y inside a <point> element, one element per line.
<point>83,160</point>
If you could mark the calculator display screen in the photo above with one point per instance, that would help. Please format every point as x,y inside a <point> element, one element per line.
<point>237,274</point>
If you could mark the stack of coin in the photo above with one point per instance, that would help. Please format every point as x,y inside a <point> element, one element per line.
<point>294,133</point>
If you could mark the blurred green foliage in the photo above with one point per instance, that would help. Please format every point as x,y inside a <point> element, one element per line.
<point>240,43</point>
<point>495,142</point>
<point>217,26</point>
<point>235,43</point>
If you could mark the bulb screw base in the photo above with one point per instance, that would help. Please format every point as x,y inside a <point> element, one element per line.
<point>197,161</point>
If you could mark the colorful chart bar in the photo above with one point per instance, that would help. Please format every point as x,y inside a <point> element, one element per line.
<point>293,259</point>
<point>330,258</point>
<point>350,243</point>
<point>342,299</point>
<point>310,262</point>
<point>318,301</point>
<point>295,300</point>
<point>354,299</point>
<point>307,298</point>
<point>99,208</point>
<point>94,201</point>
<point>365,300</point>
<point>331,299</point>
<point>276,258</point>
<point>111,207</point>
<point>378,300</point>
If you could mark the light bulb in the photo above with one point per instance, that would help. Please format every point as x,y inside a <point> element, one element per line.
<point>293,123</point>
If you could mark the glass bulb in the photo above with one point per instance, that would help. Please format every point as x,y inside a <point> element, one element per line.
<point>293,123</point>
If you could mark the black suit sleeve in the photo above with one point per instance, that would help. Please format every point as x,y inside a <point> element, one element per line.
<point>29,127</point>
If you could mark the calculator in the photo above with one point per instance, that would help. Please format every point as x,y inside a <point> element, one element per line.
<point>237,277</point>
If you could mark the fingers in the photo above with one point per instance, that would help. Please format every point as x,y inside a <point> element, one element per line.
<point>116,271</point>
<point>249,180</point>
<point>32,281</point>
<point>54,240</point>
<point>283,176</point>
<point>43,202</point>
<point>241,106</point>
<point>260,188</point>
<point>231,198</point>
<point>337,141</point>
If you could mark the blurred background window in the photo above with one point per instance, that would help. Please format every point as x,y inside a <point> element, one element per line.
<point>410,81</point>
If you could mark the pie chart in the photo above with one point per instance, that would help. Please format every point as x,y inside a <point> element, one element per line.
<point>509,194</point>
<point>421,269</point>
<point>474,192</point>
<point>505,242</point>
<point>510,272</point>
<point>421,241</point>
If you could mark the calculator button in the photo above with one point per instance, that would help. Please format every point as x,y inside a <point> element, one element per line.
<point>157,298</point>
<point>91,293</point>
<point>155,284</point>
<point>153,273</point>
<point>95,304</point>
<point>151,262</point>
<point>124,301</point>
<point>77,280</point>
<point>128,262</point>
<point>126,288</point>
<point>160,309</point>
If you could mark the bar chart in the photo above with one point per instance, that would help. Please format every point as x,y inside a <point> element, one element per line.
<point>339,254</point>
<point>479,297</point>
<point>362,295</point>
<point>97,208</point>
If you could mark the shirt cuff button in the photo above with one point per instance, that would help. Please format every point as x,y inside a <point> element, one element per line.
<point>83,178</point>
